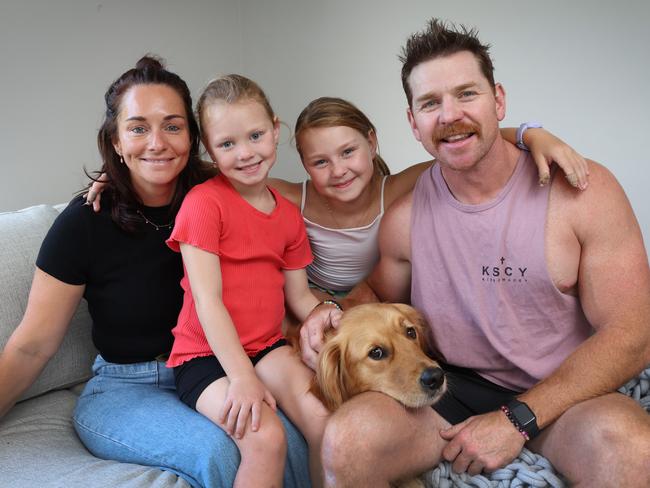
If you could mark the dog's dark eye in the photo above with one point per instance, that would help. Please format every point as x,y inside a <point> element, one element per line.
<point>410,331</point>
<point>376,353</point>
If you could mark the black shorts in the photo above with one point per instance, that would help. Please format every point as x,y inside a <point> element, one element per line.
<point>469,394</point>
<point>195,375</point>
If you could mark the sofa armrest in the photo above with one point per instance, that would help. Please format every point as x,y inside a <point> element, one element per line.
<point>21,234</point>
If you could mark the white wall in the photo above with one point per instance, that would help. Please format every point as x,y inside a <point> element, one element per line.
<point>57,58</point>
<point>581,67</point>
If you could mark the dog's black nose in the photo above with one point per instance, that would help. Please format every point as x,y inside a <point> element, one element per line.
<point>432,378</point>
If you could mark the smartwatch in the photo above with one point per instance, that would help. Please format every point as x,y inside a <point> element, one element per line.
<point>524,417</point>
<point>523,128</point>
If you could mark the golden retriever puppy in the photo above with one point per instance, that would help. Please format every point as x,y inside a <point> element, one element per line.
<point>379,347</point>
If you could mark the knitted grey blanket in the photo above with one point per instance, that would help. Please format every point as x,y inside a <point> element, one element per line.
<point>528,469</point>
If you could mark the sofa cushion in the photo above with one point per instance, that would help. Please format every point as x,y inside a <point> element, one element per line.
<point>39,448</point>
<point>21,234</point>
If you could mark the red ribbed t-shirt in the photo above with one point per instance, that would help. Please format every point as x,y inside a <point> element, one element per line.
<point>253,248</point>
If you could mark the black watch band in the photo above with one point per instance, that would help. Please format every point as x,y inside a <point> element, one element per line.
<point>524,416</point>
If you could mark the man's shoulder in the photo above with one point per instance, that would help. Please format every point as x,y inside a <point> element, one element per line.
<point>603,186</point>
<point>601,205</point>
<point>599,177</point>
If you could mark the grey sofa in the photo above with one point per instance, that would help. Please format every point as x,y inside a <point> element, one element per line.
<point>38,444</point>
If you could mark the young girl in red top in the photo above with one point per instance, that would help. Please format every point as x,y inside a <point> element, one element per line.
<point>244,249</point>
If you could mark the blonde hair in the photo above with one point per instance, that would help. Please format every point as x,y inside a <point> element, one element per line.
<point>231,89</point>
<point>336,112</point>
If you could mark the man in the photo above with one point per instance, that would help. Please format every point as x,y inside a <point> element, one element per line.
<point>538,299</point>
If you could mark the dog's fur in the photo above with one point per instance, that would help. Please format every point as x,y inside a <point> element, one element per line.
<point>349,362</point>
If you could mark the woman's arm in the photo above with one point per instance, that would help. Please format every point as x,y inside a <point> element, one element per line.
<point>50,307</point>
<point>246,392</point>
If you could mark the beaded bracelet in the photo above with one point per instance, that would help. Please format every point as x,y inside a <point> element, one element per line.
<point>331,302</point>
<point>514,422</point>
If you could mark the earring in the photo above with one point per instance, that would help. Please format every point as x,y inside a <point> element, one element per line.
<point>121,159</point>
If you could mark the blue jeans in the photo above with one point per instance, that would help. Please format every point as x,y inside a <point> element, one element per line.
<point>130,413</point>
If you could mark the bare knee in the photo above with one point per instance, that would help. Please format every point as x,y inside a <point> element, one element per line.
<point>352,439</point>
<point>622,441</point>
<point>616,431</point>
<point>268,444</point>
<point>607,441</point>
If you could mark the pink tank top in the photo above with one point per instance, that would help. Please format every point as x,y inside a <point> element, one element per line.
<point>479,275</point>
<point>342,257</point>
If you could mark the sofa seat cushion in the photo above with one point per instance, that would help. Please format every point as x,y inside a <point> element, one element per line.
<point>40,448</point>
<point>21,234</point>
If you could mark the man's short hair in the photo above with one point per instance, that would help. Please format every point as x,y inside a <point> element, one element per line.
<point>442,38</point>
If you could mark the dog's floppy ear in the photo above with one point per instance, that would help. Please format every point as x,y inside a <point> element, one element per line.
<point>425,338</point>
<point>330,376</point>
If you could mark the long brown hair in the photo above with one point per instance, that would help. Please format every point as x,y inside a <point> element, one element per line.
<point>124,200</point>
<point>336,112</point>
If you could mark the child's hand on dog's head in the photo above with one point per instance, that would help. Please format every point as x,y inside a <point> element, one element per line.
<point>313,330</point>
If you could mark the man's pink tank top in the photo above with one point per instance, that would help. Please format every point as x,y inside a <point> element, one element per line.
<point>479,275</point>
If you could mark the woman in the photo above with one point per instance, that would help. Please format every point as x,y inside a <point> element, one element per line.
<point>119,262</point>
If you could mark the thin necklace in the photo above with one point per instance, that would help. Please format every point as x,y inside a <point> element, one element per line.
<point>156,226</point>
<point>358,220</point>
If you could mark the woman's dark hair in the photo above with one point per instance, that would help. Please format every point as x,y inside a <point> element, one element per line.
<point>124,200</point>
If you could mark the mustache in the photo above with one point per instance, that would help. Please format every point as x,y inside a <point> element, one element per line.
<point>455,129</point>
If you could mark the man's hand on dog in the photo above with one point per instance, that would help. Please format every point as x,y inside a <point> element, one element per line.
<point>312,332</point>
<point>482,443</point>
